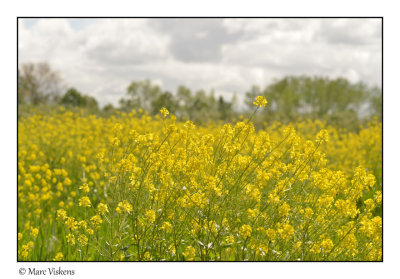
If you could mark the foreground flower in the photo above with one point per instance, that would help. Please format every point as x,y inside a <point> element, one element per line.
<point>150,215</point>
<point>322,136</point>
<point>34,232</point>
<point>124,207</point>
<point>96,221</point>
<point>85,202</point>
<point>173,191</point>
<point>70,239</point>
<point>189,253</point>
<point>83,240</point>
<point>102,208</point>
<point>245,231</point>
<point>58,257</point>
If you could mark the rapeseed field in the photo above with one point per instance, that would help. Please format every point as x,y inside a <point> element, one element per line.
<point>131,187</point>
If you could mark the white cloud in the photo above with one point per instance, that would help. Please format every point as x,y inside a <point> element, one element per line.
<point>86,58</point>
<point>103,56</point>
<point>124,41</point>
<point>349,48</point>
<point>351,31</point>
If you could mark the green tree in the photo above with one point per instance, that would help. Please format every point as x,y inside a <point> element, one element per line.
<point>140,95</point>
<point>76,99</point>
<point>254,91</point>
<point>376,103</point>
<point>185,102</point>
<point>335,100</point>
<point>224,109</point>
<point>167,100</point>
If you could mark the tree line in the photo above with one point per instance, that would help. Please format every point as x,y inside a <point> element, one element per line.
<point>291,98</point>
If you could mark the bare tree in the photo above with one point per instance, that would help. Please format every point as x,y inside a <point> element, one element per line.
<point>38,83</point>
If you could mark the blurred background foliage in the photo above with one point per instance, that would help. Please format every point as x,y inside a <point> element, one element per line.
<point>338,102</point>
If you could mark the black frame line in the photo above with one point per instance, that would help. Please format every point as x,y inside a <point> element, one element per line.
<point>218,17</point>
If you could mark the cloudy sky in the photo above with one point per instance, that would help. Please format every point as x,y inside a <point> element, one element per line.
<point>100,57</point>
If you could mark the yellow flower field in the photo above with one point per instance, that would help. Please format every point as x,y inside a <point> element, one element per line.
<point>131,187</point>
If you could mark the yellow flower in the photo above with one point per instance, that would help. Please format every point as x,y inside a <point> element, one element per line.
<point>252,213</point>
<point>166,226</point>
<point>286,231</point>
<point>85,188</point>
<point>124,207</point>
<point>347,208</point>
<point>102,208</point>
<point>26,248</point>
<point>370,204</point>
<point>230,239</point>
<point>82,224</point>
<point>271,234</point>
<point>147,256</point>
<point>284,210</point>
<point>67,181</point>
<point>58,257</point>
<point>322,136</point>
<point>70,239</point>
<point>71,224</point>
<point>96,221</point>
<point>273,198</point>
<point>189,253</point>
<point>260,101</point>
<point>82,239</point>
<point>326,245</point>
<point>34,232</point>
<point>150,215</point>
<point>378,197</point>
<point>245,231</point>
<point>262,250</point>
<point>164,112</point>
<point>308,212</point>
<point>115,141</point>
<point>85,202</point>
<point>259,191</point>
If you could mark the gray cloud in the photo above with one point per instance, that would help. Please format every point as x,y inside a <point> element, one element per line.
<point>195,40</point>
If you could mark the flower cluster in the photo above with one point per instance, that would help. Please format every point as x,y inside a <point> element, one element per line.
<point>129,187</point>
